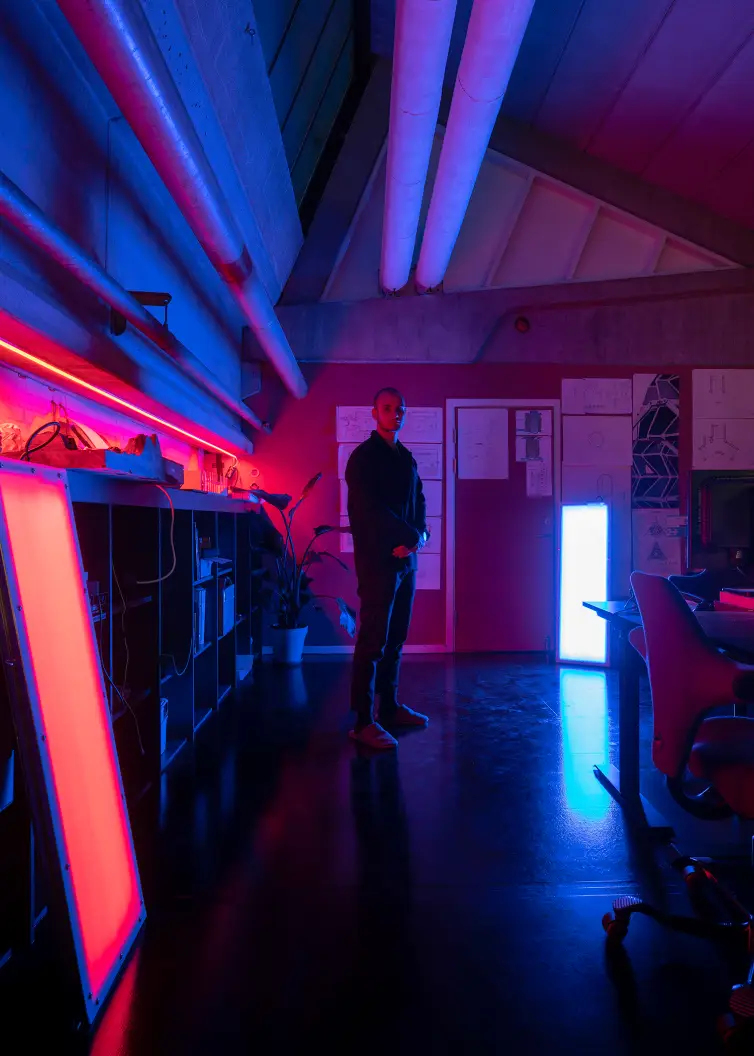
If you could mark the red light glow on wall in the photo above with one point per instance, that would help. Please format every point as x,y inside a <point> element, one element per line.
<point>71,722</point>
<point>110,397</point>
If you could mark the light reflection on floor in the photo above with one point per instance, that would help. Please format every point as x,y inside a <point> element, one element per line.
<point>583,713</point>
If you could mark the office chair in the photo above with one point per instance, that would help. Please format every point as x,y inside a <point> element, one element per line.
<point>707,584</point>
<point>689,679</point>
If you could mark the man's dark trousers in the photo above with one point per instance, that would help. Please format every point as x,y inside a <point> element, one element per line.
<point>387,598</point>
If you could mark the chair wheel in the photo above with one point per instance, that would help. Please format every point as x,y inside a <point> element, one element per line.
<point>615,929</point>
<point>742,1002</point>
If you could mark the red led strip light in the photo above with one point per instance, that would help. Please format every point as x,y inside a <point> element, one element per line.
<point>103,393</point>
<point>72,729</point>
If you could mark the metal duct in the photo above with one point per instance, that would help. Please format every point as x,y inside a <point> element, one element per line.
<point>422,38</point>
<point>26,217</point>
<point>496,29</point>
<point>120,43</point>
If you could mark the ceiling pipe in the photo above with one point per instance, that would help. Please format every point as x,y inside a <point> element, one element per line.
<point>422,38</point>
<point>496,29</point>
<point>120,43</point>
<point>28,218</point>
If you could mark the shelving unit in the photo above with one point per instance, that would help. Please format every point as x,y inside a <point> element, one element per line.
<point>140,560</point>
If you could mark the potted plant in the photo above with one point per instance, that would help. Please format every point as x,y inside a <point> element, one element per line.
<point>288,582</point>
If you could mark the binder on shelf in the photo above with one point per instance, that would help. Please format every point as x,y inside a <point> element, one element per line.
<point>200,618</point>
<point>163,725</point>
<point>227,605</point>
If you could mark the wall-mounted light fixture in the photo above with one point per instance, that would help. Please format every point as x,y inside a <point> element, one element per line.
<point>117,401</point>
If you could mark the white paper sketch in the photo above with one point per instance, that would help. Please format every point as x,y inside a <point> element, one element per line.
<point>594,440</point>
<point>422,425</point>
<point>428,572</point>
<point>657,542</point>
<point>428,460</point>
<point>723,393</point>
<point>353,424</point>
<point>529,448</point>
<point>433,497</point>
<point>434,546</point>
<point>611,485</point>
<point>596,484</point>
<point>346,539</point>
<point>344,453</point>
<point>723,444</point>
<point>596,396</point>
<point>539,472</point>
<point>534,423</point>
<point>343,498</point>
<point>482,443</point>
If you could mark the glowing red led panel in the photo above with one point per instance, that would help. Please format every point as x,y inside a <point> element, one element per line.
<point>71,721</point>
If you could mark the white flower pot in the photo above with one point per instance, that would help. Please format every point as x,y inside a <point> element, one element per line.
<point>288,646</point>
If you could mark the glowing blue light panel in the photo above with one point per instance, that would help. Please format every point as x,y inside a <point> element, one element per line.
<point>582,635</point>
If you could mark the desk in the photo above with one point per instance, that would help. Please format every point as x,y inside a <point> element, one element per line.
<point>728,630</point>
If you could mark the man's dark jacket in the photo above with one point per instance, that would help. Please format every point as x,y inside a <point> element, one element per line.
<point>386,505</point>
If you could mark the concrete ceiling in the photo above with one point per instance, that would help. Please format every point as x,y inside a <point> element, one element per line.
<point>663,89</point>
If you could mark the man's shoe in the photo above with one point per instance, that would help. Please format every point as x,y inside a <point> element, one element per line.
<point>373,736</point>
<point>403,717</point>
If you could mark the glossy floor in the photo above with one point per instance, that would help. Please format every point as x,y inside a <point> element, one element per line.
<point>443,899</point>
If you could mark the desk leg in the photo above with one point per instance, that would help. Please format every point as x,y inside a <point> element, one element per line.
<point>624,784</point>
<point>628,721</point>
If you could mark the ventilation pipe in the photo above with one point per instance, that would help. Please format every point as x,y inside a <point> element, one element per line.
<point>422,39</point>
<point>120,43</point>
<point>26,217</point>
<point>496,29</point>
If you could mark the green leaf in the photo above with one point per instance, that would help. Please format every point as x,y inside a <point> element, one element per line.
<point>347,617</point>
<point>309,486</point>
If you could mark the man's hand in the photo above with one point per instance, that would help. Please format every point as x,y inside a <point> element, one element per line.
<point>403,551</point>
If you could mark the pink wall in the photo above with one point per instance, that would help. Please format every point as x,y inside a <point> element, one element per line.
<point>303,443</point>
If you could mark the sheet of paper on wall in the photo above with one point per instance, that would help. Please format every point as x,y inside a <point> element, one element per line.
<point>534,423</point>
<point>596,484</point>
<point>346,539</point>
<point>344,453</point>
<point>597,440</point>
<point>529,448</point>
<point>343,497</point>
<point>654,393</point>
<point>611,485</point>
<point>434,546</point>
<point>723,443</point>
<point>422,425</point>
<point>723,393</point>
<point>482,443</point>
<point>539,472</point>
<point>353,425</point>
<point>428,460</point>
<point>428,572</point>
<point>596,396</point>
<point>433,497</point>
<point>657,542</point>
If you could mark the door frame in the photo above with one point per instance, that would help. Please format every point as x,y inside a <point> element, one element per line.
<point>451,406</point>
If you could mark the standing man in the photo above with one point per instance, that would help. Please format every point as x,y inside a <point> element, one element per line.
<point>388,516</point>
